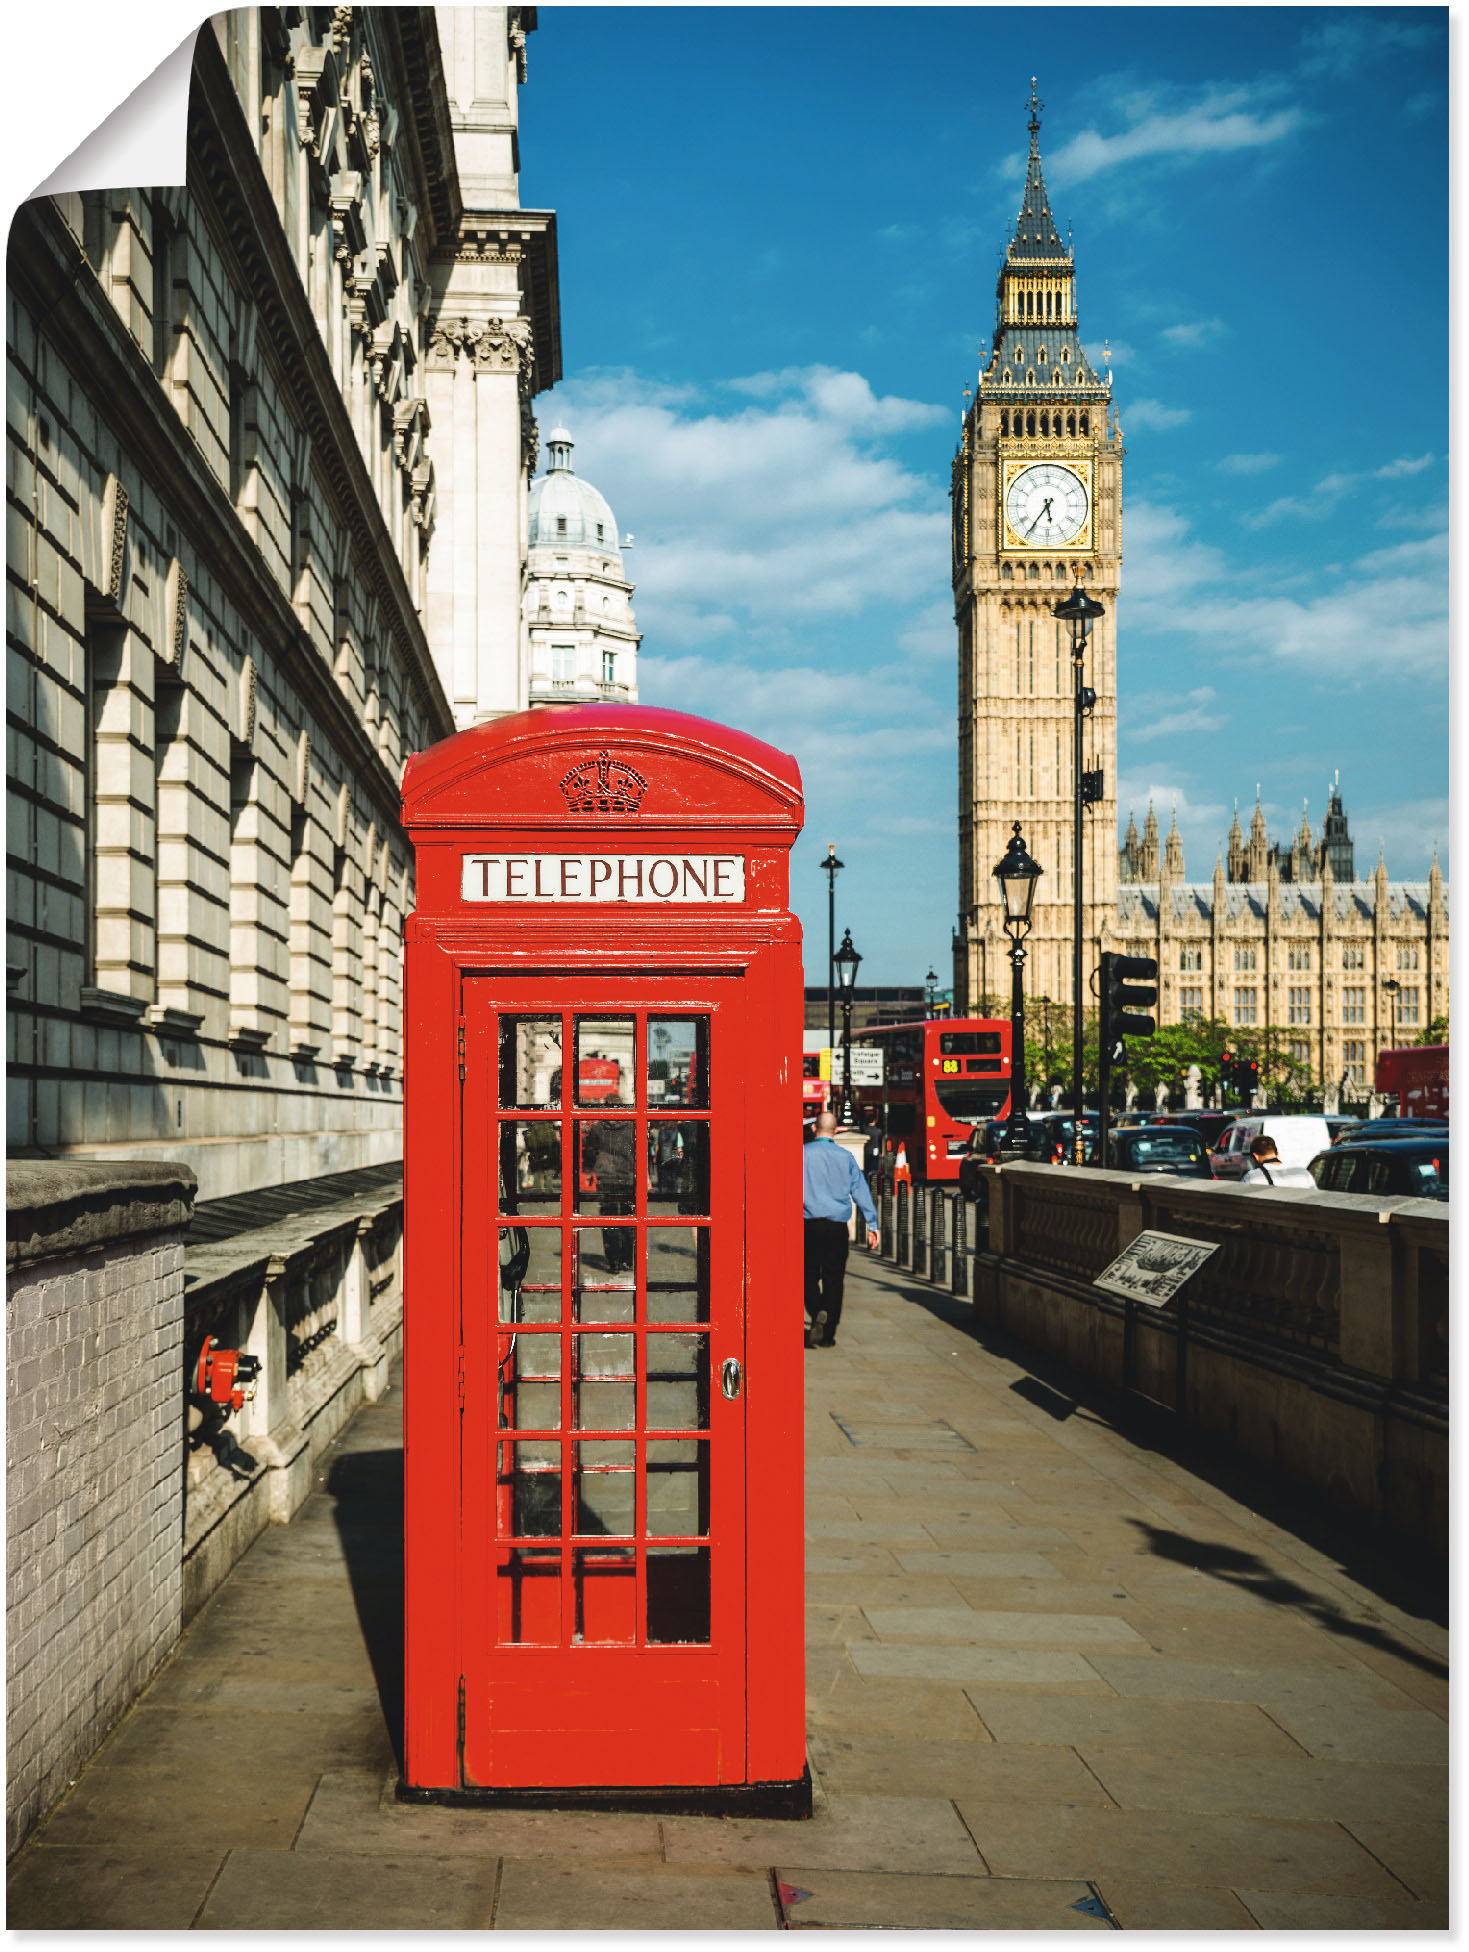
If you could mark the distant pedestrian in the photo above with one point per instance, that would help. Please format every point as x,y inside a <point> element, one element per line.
<point>831,1181</point>
<point>1268,1170</point>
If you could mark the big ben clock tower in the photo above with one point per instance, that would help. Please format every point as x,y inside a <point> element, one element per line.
<point>1037,494</point>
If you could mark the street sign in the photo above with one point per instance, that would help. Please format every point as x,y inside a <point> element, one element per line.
<point>866,1064</point>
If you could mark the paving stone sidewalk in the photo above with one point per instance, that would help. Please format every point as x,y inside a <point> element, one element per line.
<point>1056,1681</point>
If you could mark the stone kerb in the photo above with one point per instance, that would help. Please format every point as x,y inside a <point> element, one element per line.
<point>94,1354</point>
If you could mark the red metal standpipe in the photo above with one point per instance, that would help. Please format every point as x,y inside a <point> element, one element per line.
<point>225,1377</point>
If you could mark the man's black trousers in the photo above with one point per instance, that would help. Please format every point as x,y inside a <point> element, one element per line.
<point>826,1267</point>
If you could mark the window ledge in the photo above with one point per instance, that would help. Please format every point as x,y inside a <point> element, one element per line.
<point>112,1003</point>
<point>169,1022</point>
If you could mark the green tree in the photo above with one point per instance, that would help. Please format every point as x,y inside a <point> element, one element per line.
<point>1436,1033</point>
<point>1164,1060</point>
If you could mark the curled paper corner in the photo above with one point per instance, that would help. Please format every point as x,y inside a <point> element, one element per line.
<point>791,1894</point>
<point>144,140</point>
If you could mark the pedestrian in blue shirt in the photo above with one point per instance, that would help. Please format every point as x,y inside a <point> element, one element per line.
<point>831,1181</point>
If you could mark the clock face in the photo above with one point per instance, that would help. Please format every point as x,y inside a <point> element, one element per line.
<point>1046,505</point>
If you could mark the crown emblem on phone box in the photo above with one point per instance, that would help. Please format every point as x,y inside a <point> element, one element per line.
<point>603,785</point>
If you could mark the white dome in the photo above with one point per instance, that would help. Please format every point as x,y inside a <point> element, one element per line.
<point>565,511</point>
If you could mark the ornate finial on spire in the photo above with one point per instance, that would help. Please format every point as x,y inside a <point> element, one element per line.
<point>1036,105</point>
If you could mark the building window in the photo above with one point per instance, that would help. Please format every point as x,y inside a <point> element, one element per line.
<point>1244,959</point>
<point>563,664</point>
<point>1191,1003</point>
<point>1299,1006</point>
<point>1298,959</point>
<point>1300,1051</point>
<point>599,532</point>
<point>1191,958</point>
<point>609,667</point>
<point>1352,957</point>
<point>1244,1006</point>
<point>1354,1005</point>
<point>1408,1006</point>
<point>560,525</point>
<point>1354,1061</point>
<point>1407,958</point>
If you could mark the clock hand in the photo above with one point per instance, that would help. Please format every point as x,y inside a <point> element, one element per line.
<point>1045,509</point>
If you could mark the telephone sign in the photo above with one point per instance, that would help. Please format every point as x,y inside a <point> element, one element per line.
<point>602,1237</point>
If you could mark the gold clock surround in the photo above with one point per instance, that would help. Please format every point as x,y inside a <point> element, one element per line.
<point>1017,459</point>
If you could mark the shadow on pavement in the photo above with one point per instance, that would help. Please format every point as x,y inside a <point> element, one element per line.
<point>1395,1573</point>
<point>1251,1574</point>
<point>368,1488</point>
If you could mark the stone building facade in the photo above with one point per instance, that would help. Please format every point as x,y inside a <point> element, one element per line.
<point>1339,968</point>
<point>578,601</point>
<point>269,445</point>
<point>1282,936</point>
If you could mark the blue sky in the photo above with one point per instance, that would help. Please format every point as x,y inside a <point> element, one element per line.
<point>779,234</point>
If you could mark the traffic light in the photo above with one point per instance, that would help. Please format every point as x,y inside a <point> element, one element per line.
<point>1122,996</point>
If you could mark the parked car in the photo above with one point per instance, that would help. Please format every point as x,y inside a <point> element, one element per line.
<point>1298,1137</point>
<point>985,1144</point>
<point>1363,1131</point>
<point>1208,1124</point>
<point>1052,1137</point>
<point>1159,1149</point>
<point>1417,1167</point>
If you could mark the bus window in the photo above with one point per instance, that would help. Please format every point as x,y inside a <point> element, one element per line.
<point>970,1102</point>
<point>902,1121</point>
<point>969,1043</point>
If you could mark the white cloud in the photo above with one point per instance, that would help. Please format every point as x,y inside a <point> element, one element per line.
<point>931,636</point>
<point>1321,500</point>
<point>1198,332</point>
<point>1381,618</point>
<point>845,398</point>
<point>779,503</point>
<point>1406,833</point>
<point>1192,713</point>
<point>1153,414</point>
<point>1219,121</point>
<point>1249,463</point>
<point>1395,470</point>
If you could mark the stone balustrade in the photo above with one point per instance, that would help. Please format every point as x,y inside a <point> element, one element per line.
<point>1317,1335</point>
<point>317,1298</point>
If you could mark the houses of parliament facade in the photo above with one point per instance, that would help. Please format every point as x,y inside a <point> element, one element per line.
<point>1282,934</point>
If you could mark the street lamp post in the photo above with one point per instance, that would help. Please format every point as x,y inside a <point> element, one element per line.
<point>846,960</point>
<point>1392,986</point>
<point>930,983</point>
<point>831,867</point>
<point>1079,612</point>
<point>1017,875</point>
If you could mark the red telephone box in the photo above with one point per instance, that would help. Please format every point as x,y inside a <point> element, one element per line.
<point>603,1242</point>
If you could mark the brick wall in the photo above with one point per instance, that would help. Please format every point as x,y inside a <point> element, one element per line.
<point>94,1491</point>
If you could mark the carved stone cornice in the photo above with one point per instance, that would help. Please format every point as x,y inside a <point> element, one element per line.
<point>498,345</point>
<point>525,239</point>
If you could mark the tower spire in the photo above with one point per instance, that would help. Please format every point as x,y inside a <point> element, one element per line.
<point>1036,236</point>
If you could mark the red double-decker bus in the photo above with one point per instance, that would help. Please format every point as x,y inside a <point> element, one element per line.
<point>942,1078</point>
<point>1418,1077</point>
